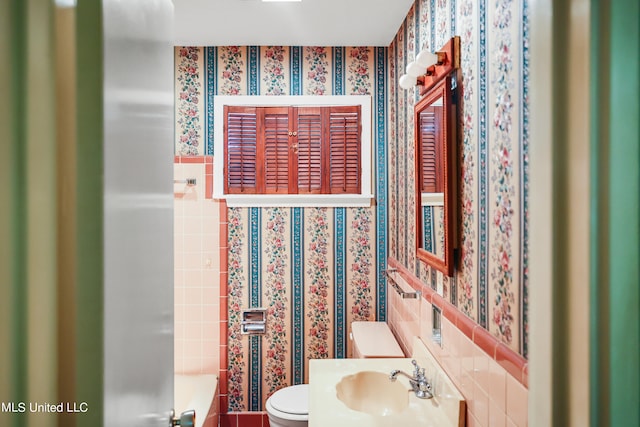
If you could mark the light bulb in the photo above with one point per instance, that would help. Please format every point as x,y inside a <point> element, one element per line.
<point>407,82</point>
<point>426,58</point>
<point>414,69</point>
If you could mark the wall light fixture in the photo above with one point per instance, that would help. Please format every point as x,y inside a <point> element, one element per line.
<point>424,64</point>
<point>425,70</point>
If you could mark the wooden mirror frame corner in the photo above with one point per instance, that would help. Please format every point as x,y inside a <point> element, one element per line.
<point>438,83</point>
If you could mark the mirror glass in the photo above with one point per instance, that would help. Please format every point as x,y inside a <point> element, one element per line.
<point>435,141</point>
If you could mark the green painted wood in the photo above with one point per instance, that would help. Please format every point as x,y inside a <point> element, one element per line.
<point>599,184</point>
<point>624,214</point>
<point>13,27</point>
<point>615,231</point>
<point>89,213</point>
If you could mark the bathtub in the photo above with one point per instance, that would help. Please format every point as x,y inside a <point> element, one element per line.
<point>200,393</point>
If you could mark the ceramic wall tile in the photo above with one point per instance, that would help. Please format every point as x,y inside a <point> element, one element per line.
<point>479,405</point>
<point>196,295</point>
<point>497,416</point>
<point>481,371</point>
<point>491,392</point>
<point>498,385</point>
<point>517,402</point>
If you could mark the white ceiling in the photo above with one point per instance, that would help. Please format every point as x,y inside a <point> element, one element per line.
<point>308,23</point>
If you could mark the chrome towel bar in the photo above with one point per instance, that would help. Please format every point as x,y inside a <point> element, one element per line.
<point>403,294</point>
<point>188,181</point>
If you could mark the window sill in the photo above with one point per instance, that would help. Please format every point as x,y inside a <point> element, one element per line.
<point>432,199</point>
<point>296,200</point>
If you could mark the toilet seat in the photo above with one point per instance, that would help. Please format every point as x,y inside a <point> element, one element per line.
<point>291,403</point>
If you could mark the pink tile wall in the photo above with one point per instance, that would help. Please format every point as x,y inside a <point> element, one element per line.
<point>197,269</point>
<point>492,378</point>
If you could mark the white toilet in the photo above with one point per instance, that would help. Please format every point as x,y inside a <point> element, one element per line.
<point>289,407</point>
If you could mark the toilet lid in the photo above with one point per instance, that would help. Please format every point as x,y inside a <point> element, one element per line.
<point>292,400</point>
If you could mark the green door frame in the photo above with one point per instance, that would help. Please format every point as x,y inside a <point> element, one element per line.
<point>31,300</point>
<point>615,225</point>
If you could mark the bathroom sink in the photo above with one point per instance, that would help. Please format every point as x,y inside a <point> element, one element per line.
<point>373,393</point>
<point>358,392</point>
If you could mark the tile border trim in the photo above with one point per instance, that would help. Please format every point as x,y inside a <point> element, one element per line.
<point>509,360</point>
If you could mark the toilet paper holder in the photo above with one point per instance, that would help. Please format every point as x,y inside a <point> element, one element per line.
<point>254,321</point>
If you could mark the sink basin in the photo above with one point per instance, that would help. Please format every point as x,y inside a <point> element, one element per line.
<point>373,393</point>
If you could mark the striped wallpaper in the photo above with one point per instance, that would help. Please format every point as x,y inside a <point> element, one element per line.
<point>314,269</point>
<point>491,274</point>
<point>317,269</point>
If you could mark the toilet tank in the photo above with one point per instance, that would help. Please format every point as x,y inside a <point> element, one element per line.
<point>374,339</point>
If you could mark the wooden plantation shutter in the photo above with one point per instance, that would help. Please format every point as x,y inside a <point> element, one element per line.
<point>276,150</point>
<point>240,149</point>
<point>292,150</point>
<point>344,149</point>
<point>431,137</point>
<point>309,150</point>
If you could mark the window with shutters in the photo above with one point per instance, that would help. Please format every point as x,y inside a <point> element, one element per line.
<point>293,155</point>
<point>431,136</point>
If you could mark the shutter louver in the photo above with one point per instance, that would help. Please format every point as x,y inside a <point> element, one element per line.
<point>344,150</point>
<point>276,150</point>
<point>309,129</point>
<point>430,135</point>
<point>292,150</point>
<point>241,150</point>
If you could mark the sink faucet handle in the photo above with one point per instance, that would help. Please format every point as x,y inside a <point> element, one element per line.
<point>416,368</point>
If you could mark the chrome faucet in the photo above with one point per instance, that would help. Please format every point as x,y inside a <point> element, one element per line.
<point>418,381</point>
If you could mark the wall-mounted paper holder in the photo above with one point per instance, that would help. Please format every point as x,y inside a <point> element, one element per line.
<point>254,321</point>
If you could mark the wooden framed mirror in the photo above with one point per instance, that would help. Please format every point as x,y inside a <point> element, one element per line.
<point>435,122</point>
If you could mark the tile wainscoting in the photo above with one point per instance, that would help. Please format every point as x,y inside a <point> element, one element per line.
<point>244,419</point>
<point>492,378</point>
<point>197,267</point>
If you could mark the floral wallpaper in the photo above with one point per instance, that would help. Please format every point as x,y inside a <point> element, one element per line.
<point>314,270</point>
<point>360,250</point>
<point>189,100</point>
<point>502,177</point>
<point>467,301</point>
<point>359,74</point>
<point>273,76</point>
<point>320,282</point>
<point>315,263</point>
<point>490,279</point>
<point>237,354</point>
<point>232,58</point>
<point>317,269</point>
<point>276,299</point>
<point>318,74</point>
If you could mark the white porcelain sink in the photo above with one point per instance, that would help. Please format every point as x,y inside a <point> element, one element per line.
<point>373,393</point>
<point>358,393</point>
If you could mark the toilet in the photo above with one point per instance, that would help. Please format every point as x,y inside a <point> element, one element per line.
<point>289,406</point>
<point>373,340</point>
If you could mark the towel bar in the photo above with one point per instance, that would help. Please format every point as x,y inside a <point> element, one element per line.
<point>188,181</point>
<point>403,294</point>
